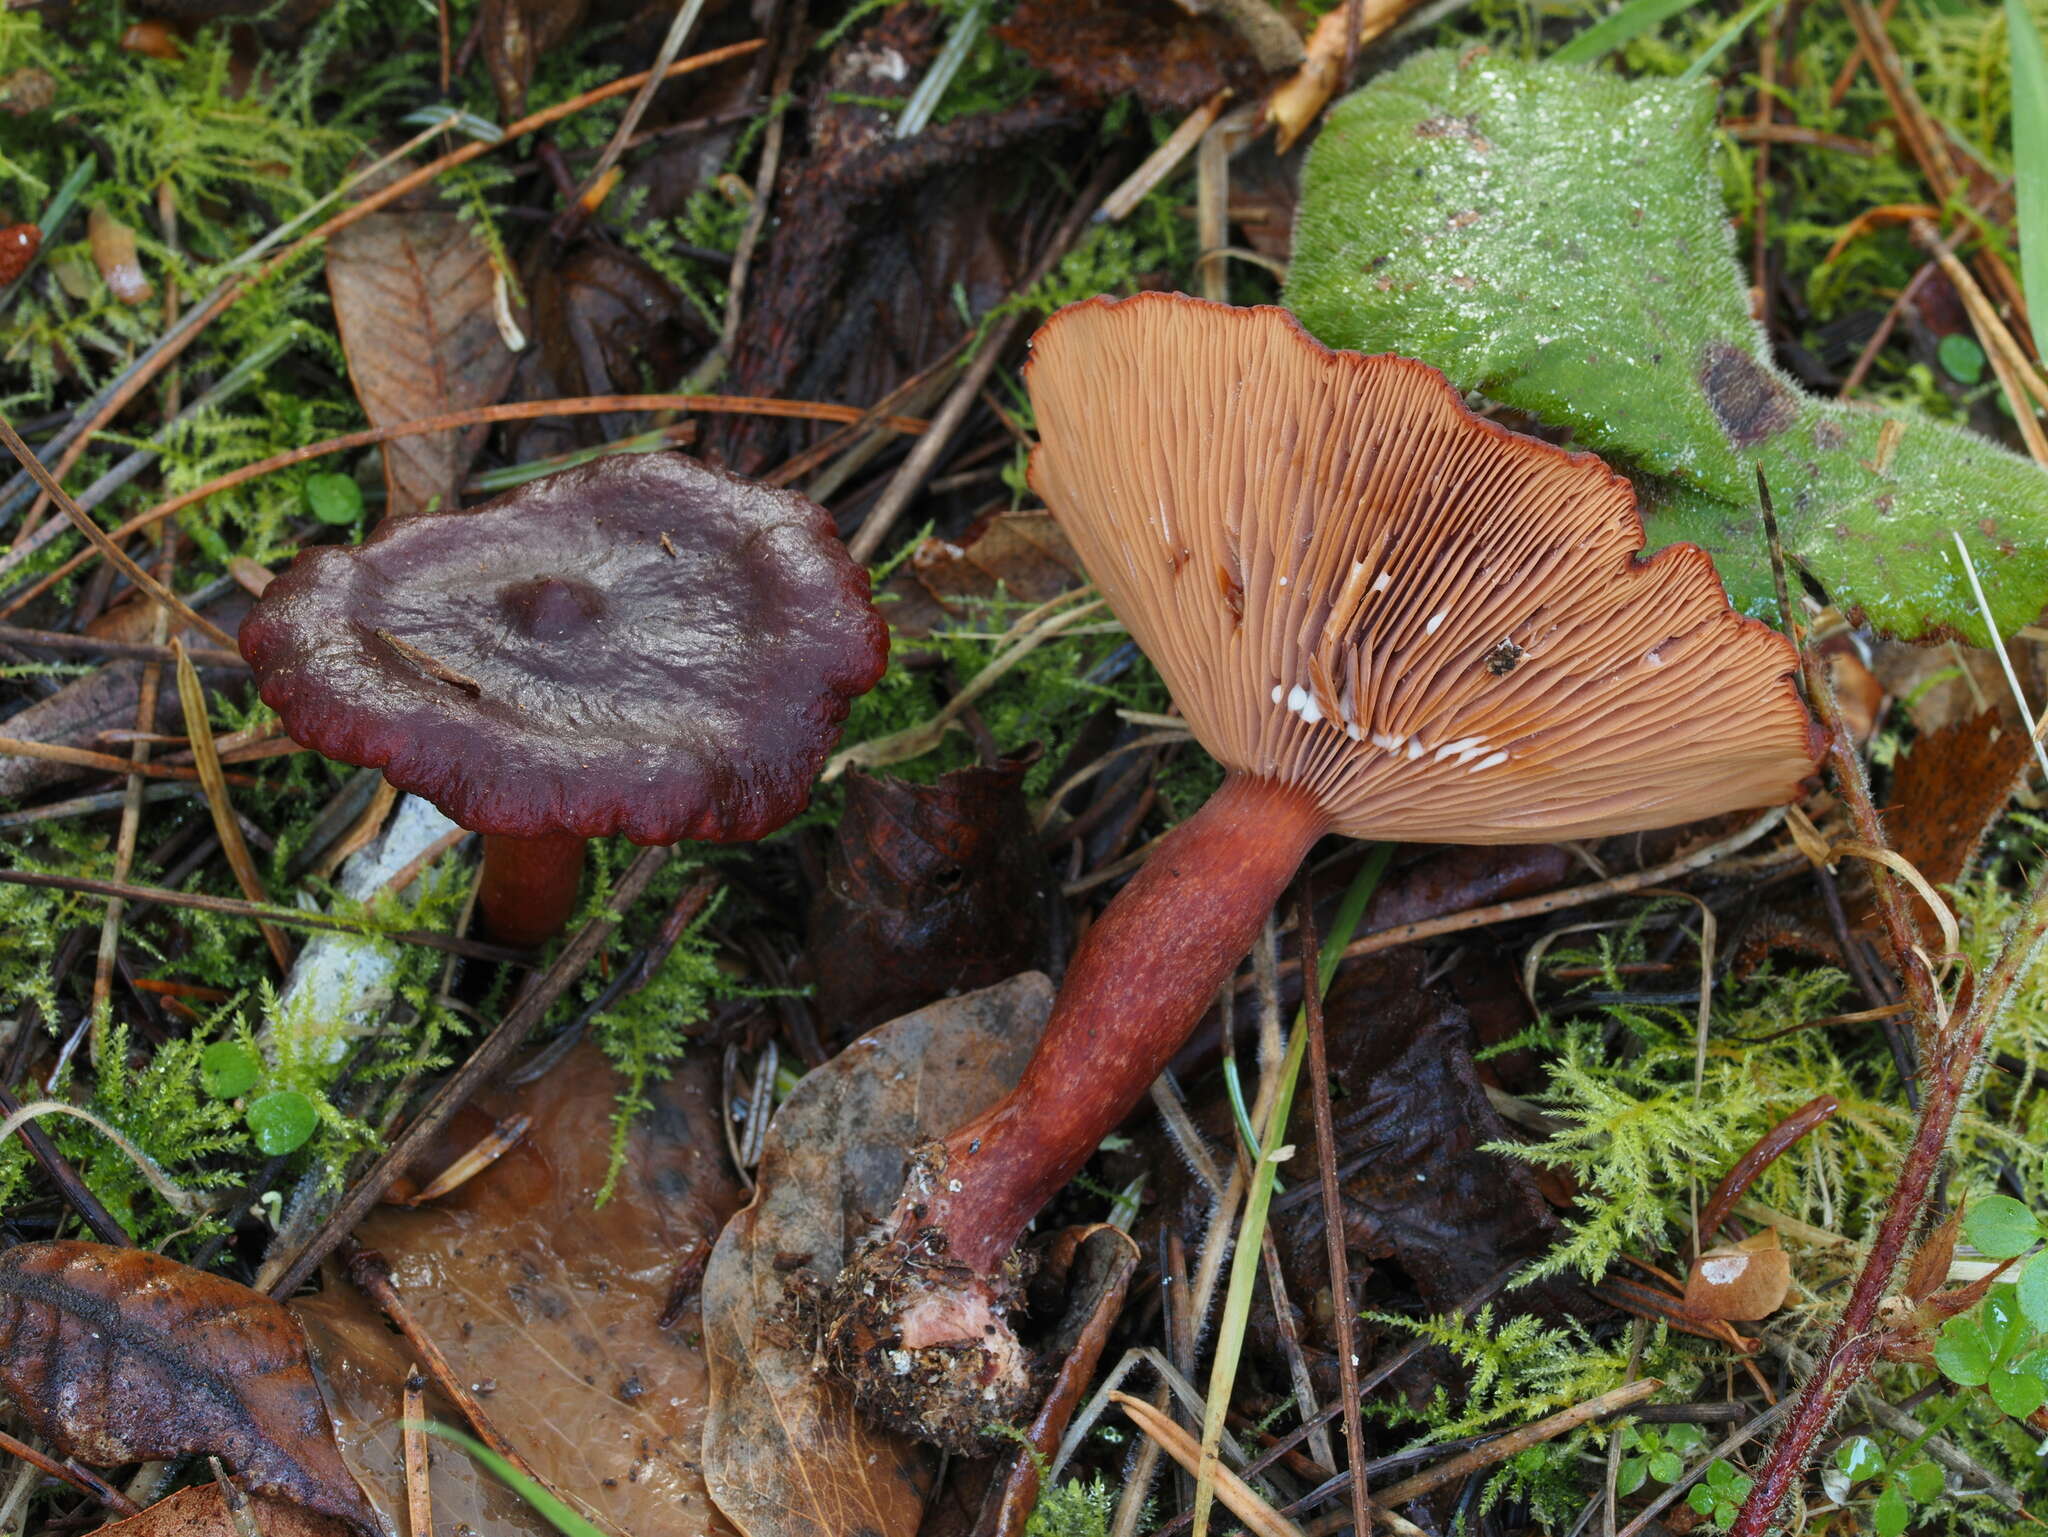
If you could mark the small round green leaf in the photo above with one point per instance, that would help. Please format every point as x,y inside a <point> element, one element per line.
<point>2005,1326</point>
<point>2000,1227</point>
<point>1890,1514</point>
<point>1685,1438</point>
<point>1859,1457</point>
<point>1666,1466</point>
<point>1921,1482</point>
<point>281,1121</point>
<point>335,499</point>
<point>2032,1291</point>
<point>228,1069</point>
<point>1961,358</point>
<point>1962,1353</point>
<point>1633,1473</point>
<point>1702,1499</point>
<point>2018,1393</point>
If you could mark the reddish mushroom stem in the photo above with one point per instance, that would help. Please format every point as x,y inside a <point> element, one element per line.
<point>917,1321</point>
<point>1139,983</point>
<point>529,885</point>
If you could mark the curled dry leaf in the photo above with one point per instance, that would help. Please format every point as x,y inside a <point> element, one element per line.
<point>931,890</point>
<point>602,320</point>
<point>1023,556</point>
<point>413,302</point>
<point>1740,1282</point>
<point>114,253</point>
<point>120,1355</point>
<point>202,1511</point>
<point>548,1305</point>
<point>785,1453</point>
<point>516,34</point>
<point>1929,1271</point>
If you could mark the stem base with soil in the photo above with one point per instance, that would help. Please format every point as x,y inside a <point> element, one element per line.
<point>919,1321</point>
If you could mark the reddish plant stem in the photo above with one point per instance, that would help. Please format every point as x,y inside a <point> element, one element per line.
<point>1852,785</point>
<point>528,887</point>
<point>1853,1345</point>
<point>1139,983</point>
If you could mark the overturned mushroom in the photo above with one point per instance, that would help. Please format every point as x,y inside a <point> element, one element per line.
<point>1388,619</point>
<point>641,646</point>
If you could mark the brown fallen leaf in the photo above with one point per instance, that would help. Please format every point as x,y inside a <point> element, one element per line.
<point>1740,1282</point>
<point>854,286</point>
<point>547,1306</point>
<point>1948,788</point>
<point>1024,555</point>
<point>202,1511</point>
<point>1936,685</point>
<point>105,699</point>
<point>516,33</point>
<point>1858,691</point>
<point>1451,879</point>
<point>1151,49</point>
<point>120,1355</point>
<point>603,320</point>
<point>785,1453</point>
<point>1412,1123</point>
<point>930,890</point>
<point>414,300</point>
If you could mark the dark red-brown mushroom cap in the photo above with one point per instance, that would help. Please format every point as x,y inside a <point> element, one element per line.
<point>642,645</point>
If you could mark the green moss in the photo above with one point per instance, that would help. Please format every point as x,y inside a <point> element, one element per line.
<point>1073,1509</point>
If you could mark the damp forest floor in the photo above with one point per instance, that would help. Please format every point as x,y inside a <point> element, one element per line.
<point>853,216</point>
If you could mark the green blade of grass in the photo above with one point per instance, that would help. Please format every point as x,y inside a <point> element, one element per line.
<point>559,1515</point>
<point>1244,1261</point>
<point>1610,32</point>
<point>2030,153</point>
<point>1725,41</point>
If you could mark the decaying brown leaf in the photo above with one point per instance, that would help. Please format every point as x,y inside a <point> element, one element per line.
<point>120,1355</point>
<point>516,33</point>
<point>785,1453</point>
<point>1412,1123</point>
<point>1948,788</point>
<point>931,890</point>
<point>202,1511</point>
<point>547,1305</point>
<point>1151,49</point>
<point>603,322</point>
<point>866,222</point>
<point>104,699</point>
<point>1024,556</point>
<point>416,302</point>
<point>1740,1282</point>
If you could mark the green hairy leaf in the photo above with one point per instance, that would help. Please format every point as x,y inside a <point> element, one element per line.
<point>1962,1353</point>
<point>2000,1227</point>
<point>2033,1291</point>
<point>1555,238</point>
